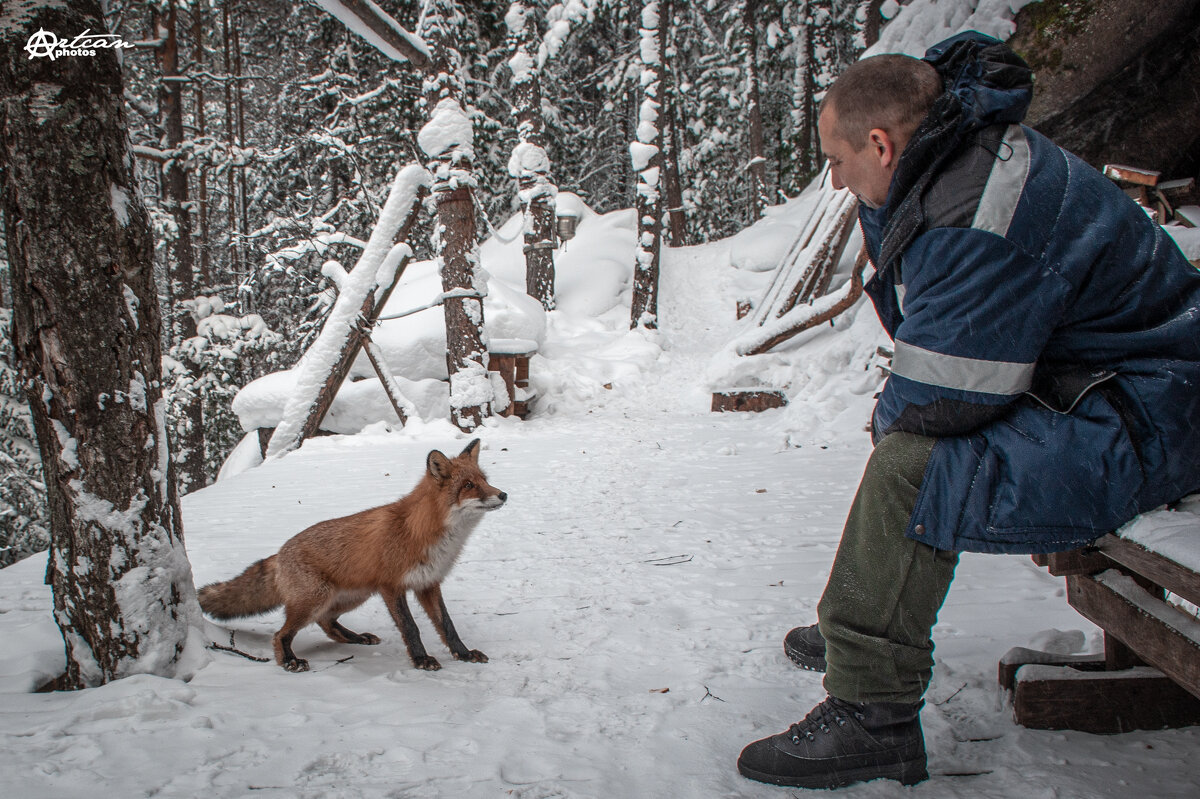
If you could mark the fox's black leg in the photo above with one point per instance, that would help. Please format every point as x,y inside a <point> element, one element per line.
<point>435,608</point>
<point>334,629</point>
<point>397,605</point>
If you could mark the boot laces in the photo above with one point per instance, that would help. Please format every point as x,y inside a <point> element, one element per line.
<point>821,719</point>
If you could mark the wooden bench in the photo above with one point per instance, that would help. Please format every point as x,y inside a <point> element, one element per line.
<point>1149,674</point>
<point>509,357</point>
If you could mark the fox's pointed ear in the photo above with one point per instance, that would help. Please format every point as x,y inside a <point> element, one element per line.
<point>438,466</point>
<point>472,451</point>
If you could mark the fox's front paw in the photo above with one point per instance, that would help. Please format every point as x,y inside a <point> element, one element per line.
<point>427,662</point>
<point>474,656</point>
<point>295,664</point>
<point>369,639</point>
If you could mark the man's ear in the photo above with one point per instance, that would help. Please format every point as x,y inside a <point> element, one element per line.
<point>471,451</point>
<point>438,466</point>
<point>884,147</point>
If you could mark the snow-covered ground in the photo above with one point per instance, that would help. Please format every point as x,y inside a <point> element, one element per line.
<point>632,597</point>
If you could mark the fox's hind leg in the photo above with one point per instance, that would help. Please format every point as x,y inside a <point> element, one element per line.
<point>435,607</point>
<point>298,617</point>
<point>335,630</point>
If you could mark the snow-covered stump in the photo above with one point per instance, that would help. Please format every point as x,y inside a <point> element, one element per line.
<point>646,153</point>
<point>360,294</point>
<point>529,163</point>
<point>86,333</point>
<point>448,140</point>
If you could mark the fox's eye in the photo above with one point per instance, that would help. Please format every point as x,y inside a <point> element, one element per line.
<point>468,485</point>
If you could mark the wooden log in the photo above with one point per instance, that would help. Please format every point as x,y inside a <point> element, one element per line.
<point>1064,698</point>
<point>747,400</point>
<point>855,291</point>
<point>1162,635</point>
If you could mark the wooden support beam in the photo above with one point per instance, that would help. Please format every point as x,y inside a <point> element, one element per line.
<point>1162,571</point>
<point>1163,636</point>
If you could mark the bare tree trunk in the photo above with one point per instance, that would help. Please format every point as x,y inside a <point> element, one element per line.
<point>189,425</point>
<point>205,275</point>
<point>86,333</point>
<point>757,165</point>
<point>647,162</point>
<point>871,21</point>
<point>236,265</point>
<point>529,164</point>
<point>449,144</point>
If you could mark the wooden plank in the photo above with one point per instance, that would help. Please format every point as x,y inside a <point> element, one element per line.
<point>1132,174</point>
<point>1160,634</point>
<point>750,400</point>
<point>1100,702</point>
<point>1076,561</point>
<point>1162,571</point>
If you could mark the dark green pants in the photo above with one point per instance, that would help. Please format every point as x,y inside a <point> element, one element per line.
<point>885,589</point>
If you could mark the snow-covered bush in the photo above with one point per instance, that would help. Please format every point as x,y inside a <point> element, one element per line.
<point>226,353</point>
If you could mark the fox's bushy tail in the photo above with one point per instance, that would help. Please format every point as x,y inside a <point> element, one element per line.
<point>250,593</point>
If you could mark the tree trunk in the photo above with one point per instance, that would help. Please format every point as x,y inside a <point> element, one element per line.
<point>449,143</point>
<point>646,152</point>
<point>181,266</point>
<point>205,276</point>
<point>86,333</point>
<point>672,185</point>
<point>757,165</point>
<point>529,164</point>
<point>237,265</point>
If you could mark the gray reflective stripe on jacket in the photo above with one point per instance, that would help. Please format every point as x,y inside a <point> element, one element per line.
<point>963,374</point>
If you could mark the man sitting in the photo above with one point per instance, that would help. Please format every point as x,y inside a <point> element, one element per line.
<point>1045,387</point>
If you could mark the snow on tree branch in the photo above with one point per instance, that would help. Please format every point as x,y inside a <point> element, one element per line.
<point>378,28</point>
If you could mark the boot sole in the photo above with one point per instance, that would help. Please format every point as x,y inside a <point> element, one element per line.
<point>805,660</point>
<point>909,772</point>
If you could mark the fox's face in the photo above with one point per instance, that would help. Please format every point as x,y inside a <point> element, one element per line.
<point>463,481</point>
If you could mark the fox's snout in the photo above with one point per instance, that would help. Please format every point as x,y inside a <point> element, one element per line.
<point>493,502</point>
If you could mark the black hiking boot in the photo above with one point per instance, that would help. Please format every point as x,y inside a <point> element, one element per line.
<point>805,647</point>
<point>839,743</point>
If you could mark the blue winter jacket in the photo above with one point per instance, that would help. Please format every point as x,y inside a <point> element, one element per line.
<point>1046,331</point>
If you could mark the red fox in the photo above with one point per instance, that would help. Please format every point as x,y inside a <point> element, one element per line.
<point>336,565</point>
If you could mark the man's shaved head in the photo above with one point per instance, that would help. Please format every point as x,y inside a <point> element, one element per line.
<point>889,92</point>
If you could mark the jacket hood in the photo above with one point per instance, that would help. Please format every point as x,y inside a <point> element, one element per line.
<point>984,83</point>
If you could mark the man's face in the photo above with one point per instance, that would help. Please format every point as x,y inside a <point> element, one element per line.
<point>867,172</point>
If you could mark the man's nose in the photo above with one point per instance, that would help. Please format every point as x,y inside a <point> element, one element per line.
<point>836,180</point>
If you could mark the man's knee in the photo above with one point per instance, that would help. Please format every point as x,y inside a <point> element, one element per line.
<point>900,456</point>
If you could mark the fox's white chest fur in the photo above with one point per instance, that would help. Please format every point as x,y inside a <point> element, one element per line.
<point>441,556</point>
